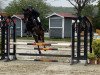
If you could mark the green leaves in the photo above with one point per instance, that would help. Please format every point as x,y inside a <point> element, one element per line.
<point>91,55</point>
<point>15,7</point>
<point>96,47</point>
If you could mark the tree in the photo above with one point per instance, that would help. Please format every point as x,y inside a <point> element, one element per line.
<point>92,12</point>
<point>80,4</point>
<point>96,19</point>
<point>98,7</point>
<point>88,11</point>
<point>0,5</point>
<point>15,7</point>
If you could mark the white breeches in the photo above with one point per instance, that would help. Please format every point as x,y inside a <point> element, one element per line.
<point>38,19</point>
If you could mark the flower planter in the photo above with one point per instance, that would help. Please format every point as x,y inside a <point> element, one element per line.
<point>92,61</point>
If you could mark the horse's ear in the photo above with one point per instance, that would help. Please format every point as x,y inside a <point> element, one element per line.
<point>23,9</point>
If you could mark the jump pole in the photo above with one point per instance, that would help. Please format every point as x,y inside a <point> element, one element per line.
<point>62,49</point>
<point>41,44</point>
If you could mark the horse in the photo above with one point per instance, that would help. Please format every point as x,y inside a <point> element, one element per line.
<point>32,27</point>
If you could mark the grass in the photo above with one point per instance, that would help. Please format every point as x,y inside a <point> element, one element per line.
<point>46,38</point>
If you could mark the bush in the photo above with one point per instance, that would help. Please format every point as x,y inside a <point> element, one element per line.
<point>91,55</point>
<point>96,47</point>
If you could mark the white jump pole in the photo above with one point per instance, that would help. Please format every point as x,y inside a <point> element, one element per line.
<point>41,44</point>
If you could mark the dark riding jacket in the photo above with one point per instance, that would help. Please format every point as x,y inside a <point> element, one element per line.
<point>35,13</point>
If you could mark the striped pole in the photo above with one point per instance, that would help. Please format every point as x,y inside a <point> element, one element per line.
<point>24,43</point>
<point>46,60</point>
<point>39,44</point>
<point>51,49</point>
<point>42,44</point>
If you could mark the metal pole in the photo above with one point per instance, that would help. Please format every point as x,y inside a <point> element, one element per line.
<point>85,41</point>
<point>3,41</point>
<point>14,40</point>
<point>73,43</point>
<point>78,40</point>
<point>7,42</point>
<point>91,37</point>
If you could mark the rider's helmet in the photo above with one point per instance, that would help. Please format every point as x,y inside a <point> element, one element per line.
<point>30,7</point>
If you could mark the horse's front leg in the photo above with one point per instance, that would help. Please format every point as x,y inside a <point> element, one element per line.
<point>36,40</point>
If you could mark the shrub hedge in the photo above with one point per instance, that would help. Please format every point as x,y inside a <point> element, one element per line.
<point>96,47</point>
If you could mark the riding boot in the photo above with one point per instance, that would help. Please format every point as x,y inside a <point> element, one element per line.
<point>41,27</point>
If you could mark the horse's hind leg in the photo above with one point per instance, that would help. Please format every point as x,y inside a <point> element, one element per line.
<point>42,39</point>
<point>36,40</point>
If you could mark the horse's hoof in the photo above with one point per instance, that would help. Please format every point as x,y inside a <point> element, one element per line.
<point>40,53</point>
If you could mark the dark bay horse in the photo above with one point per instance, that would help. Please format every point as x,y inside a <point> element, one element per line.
<point>32,27</point>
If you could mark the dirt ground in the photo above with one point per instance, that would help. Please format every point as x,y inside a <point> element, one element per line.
<point>25,65</point>
<point>21,67</point>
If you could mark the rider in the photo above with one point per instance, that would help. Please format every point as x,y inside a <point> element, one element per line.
<point>35,15</point>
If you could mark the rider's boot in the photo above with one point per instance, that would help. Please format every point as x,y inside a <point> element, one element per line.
<point>41,27</point>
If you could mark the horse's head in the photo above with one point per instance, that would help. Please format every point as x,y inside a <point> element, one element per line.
<point>27,15</point>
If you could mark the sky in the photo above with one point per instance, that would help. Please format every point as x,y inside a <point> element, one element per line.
<point>63,3</point>
<point>57,3</point>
